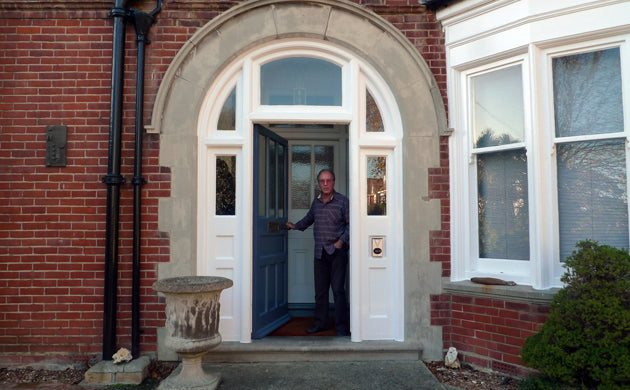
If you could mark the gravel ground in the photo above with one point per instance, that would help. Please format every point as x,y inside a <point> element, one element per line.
<point>468,378</point>
<point>30,375</point>
<point>465,378</point>
<point>157,371</point>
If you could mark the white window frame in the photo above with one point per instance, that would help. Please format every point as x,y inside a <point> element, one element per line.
<point>519,271</point>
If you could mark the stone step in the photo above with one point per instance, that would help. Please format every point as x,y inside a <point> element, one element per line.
<point>291,349</point>
<point>107,373</point>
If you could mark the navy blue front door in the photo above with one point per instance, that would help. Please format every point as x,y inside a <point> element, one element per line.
<point>270,251</point>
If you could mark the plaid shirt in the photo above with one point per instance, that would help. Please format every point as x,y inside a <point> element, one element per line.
<point>332,222</point>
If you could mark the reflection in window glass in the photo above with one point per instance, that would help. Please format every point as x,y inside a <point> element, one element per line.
<point>373,119</point>
<point>503,205</point>
<point>226,185</point>
<point>377,185</point>
<point>592,194</point>
<point>498,113</point>
<point>592,177</point>
<point>324,158</point>
<point>227,118</point>
<point>300,81</point>
<point>281,180</point>
<point>262,175</point>
<point>273,188</point>
<point>587,93</point>
<point>300,176</point>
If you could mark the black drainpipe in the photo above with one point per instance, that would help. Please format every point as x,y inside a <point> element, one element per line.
<point>142,23</point>
<point>114,180</point>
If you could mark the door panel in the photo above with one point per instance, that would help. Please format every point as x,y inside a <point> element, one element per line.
<point>270,256</point>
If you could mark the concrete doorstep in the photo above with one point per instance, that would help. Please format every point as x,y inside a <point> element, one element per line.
<point>326,363</point>
<point>313,375</point>
<point>319,375</point>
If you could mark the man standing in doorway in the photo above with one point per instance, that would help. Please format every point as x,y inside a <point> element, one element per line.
<point>330,214</point>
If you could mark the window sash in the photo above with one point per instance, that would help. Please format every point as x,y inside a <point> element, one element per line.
<point>503,205</point>
<point>591,156</point>
<point>497,109</point>
<point>506,139</point>
<point>592,194</point>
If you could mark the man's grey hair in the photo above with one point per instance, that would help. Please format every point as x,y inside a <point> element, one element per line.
<point>326,170</point>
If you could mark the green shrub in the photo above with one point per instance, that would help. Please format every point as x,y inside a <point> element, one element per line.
<point>585,342</point>
<point>542,382</point>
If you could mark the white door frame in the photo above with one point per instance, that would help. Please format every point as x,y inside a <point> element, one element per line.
<point>224,243</point>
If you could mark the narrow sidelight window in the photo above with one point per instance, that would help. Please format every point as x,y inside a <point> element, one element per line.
<point>377,185</point>
<point>226,185</point>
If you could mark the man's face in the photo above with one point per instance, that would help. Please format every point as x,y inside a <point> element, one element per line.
<point>326,183</point>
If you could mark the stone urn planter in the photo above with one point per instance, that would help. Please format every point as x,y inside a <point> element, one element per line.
<point>192,327</point>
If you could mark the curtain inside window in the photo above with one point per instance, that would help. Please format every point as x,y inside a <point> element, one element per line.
<point>592,194</point>
<point>503,205</point>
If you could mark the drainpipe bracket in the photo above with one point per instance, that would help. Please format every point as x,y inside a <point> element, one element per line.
<point>138,180</point>
<point>142,23</point>
<point>118,12</point>
<point>112,179</point>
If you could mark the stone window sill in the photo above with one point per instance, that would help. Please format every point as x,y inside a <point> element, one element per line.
<point>518,293</point>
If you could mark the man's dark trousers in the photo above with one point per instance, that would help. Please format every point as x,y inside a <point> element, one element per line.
<point>330,270</point>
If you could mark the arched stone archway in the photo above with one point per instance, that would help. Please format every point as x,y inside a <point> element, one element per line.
<point>200,61</point>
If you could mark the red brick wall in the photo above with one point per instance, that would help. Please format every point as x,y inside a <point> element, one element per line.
<point>55,69</point>
<point>488,333</point>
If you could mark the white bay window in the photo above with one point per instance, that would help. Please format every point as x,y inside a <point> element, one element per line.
<point>539,153</point>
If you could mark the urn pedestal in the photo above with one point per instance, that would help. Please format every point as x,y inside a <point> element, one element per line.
<point>192,327</point>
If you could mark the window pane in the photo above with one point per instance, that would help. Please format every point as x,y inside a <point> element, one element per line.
<point>587,93</point>
<point>377,185</point>
<point>324,158</point>
<point>503,205</point>
<point>498,114</point>
<point>227,118</point>
<point>300,81</point>
<point>272,174</point>
<point>226,185</point>
<point>592,194</point>
<point>281,181</point>
<point>262,175</point>
<point>300,177</point>
<point>373,120</point>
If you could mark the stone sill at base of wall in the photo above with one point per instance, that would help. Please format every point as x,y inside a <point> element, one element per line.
<point>518,293</point>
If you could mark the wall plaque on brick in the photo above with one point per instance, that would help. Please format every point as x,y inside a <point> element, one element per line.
<point>56,137</point>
